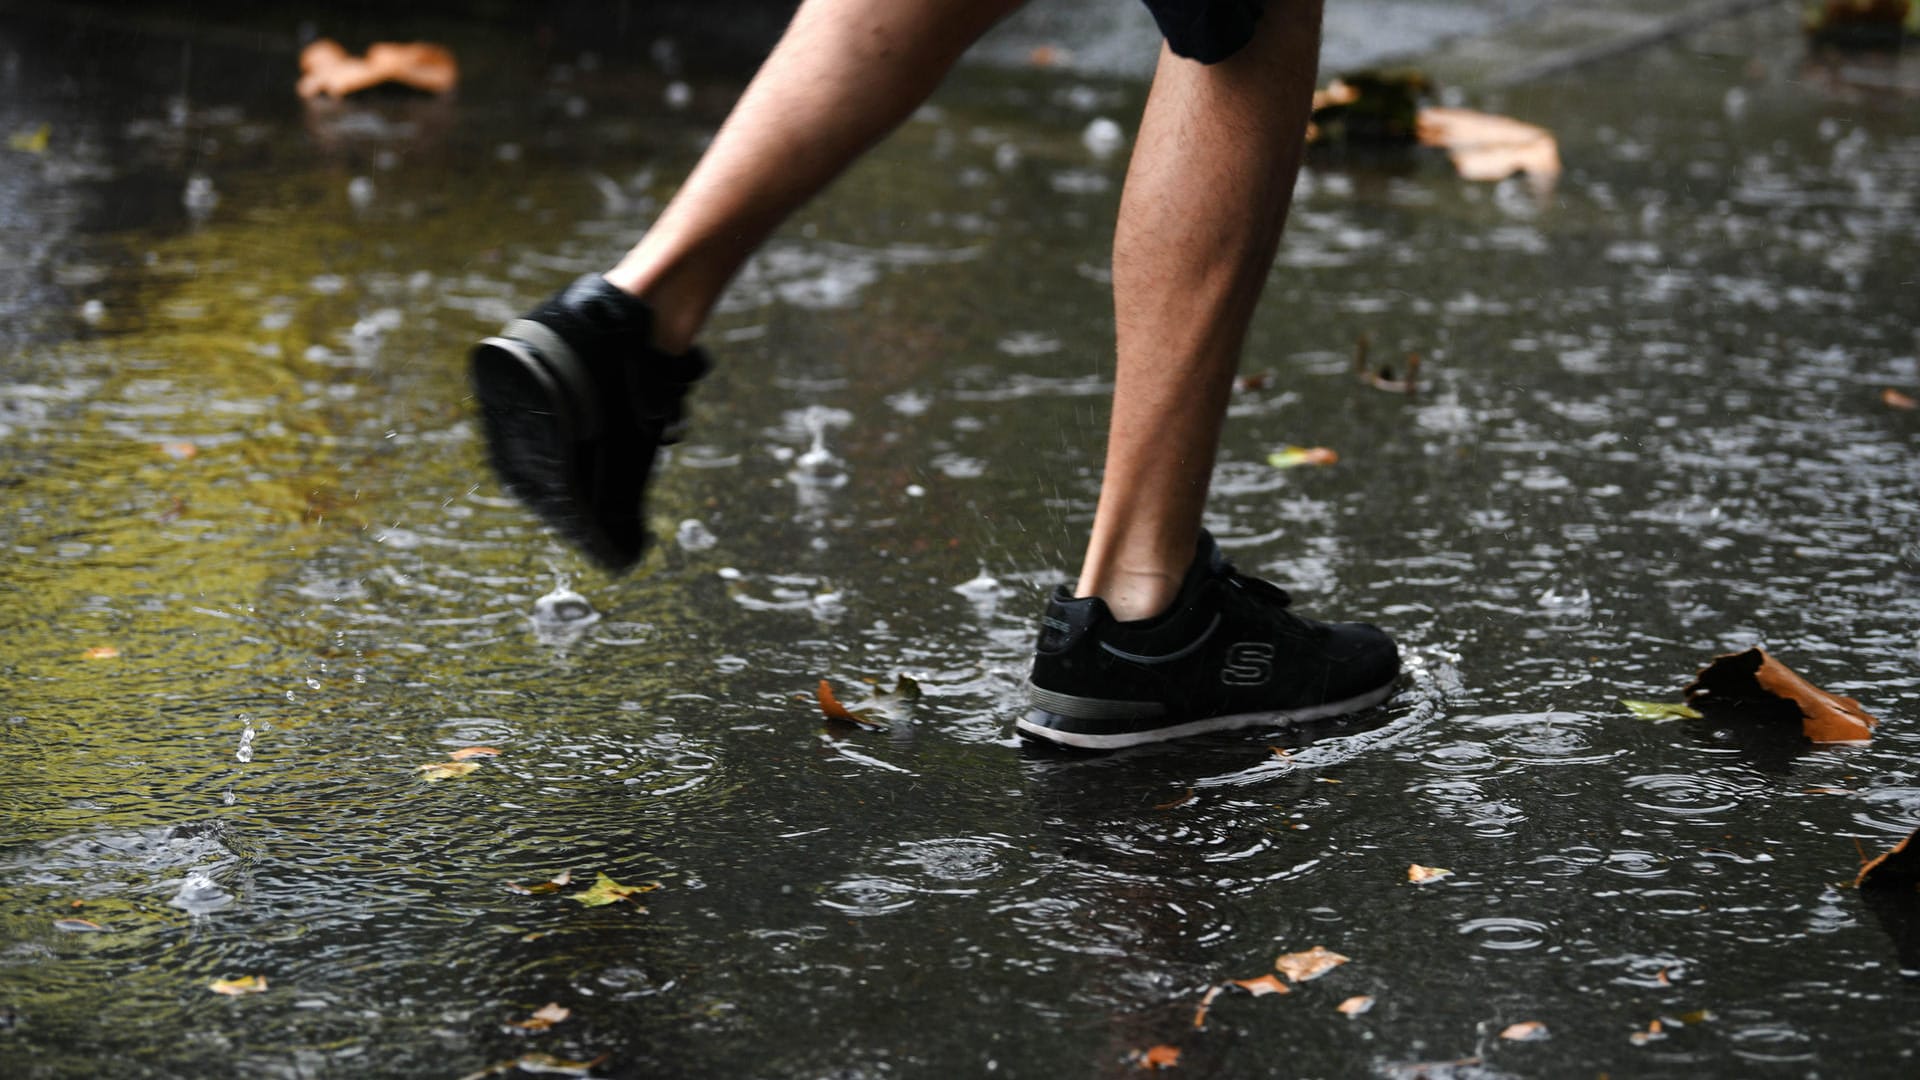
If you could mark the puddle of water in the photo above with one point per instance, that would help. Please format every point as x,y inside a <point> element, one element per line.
<point>258,577</point>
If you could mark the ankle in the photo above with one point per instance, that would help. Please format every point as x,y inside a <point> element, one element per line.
<point>1132,595</point>
<point>675,321</point>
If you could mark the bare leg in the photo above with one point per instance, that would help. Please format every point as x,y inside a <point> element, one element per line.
<point>845,73</point>
<point>1206,195</point>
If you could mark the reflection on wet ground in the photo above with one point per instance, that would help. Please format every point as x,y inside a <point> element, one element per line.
<point>257,576</point>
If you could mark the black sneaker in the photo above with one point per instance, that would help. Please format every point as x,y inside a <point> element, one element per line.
<point>1228,654</point>
<point>576,402</point>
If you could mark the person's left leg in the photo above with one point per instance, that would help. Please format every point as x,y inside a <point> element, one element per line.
<point>1163,638</point>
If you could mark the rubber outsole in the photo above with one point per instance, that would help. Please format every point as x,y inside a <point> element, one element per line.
<point>1036,723</point>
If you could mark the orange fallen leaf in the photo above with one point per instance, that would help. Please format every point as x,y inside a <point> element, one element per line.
<point>543,1018</point>
<point>1487,147</point>
<point>247,984</point>
<point>1642,1038</point>
<point>1420,875</point>
<point>180,451</point>
<point>1753,678</point>
<point>1896,869</point>
<point>1200,1014</point>
<point>77,926</point>
<point>102,652</point>
<point>327,70</point>
<point>1356,1005</point>
<point>1262,986</point>
<point>1047,55</point>
<point>1525,1031</point>
<point>831,706</point>
<point>1257,380</point>
<point>1897,400</point>
<point>466,752</point>
<point>1308,964</point>
<point>1157,1057</point>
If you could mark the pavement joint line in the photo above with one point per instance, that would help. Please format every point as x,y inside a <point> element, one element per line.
<point>1679,23</point>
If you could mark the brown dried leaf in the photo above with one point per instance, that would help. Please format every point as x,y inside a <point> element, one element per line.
<point>327,70</point>
<point>1898,869</point>
<point>1525,1031</point>
<point>1755,678</point>
<point>560,881</point>
<point>543,1018</point>
<point>1420,875</point>
<point>1308,964</point>
<point>466,752</point>
<point>1262,986</point>
<point>831,706</point>
<point>1894,399</point>
<point>1487,147</point>
<point>1356,1005</point>
<point>1642,1038</point>
<point>1206,1003</point>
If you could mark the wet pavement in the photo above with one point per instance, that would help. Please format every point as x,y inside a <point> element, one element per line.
<point>257,575</point>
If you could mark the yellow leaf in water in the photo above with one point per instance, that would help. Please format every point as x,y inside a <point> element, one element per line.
<point>1356,1005</point>
<point>31,142</point>
<point>605,890</point>
<point>1262,986</point>
<point>544,1017</point>
<point>1292,456</point>
<point>1525,1031</point>
<point>1420,875</point>
<point>248,984</point>
<point>466,752</point>
<point>102,652</point>
<point>1308,964</point>
<point>444,770</point>
<point>1660,710</point>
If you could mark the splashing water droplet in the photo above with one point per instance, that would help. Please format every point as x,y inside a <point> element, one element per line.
<point>245,751</point>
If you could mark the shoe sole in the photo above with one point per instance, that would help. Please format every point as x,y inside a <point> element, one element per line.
<point>1044,724</point>
<point>535,397</point>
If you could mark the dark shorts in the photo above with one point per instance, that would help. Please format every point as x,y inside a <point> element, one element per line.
<point>1206,30</point>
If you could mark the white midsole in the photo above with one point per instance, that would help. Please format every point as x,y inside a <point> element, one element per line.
<point>1275,718</point>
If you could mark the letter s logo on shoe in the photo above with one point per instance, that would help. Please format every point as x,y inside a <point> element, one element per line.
<point>1249,663</point>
